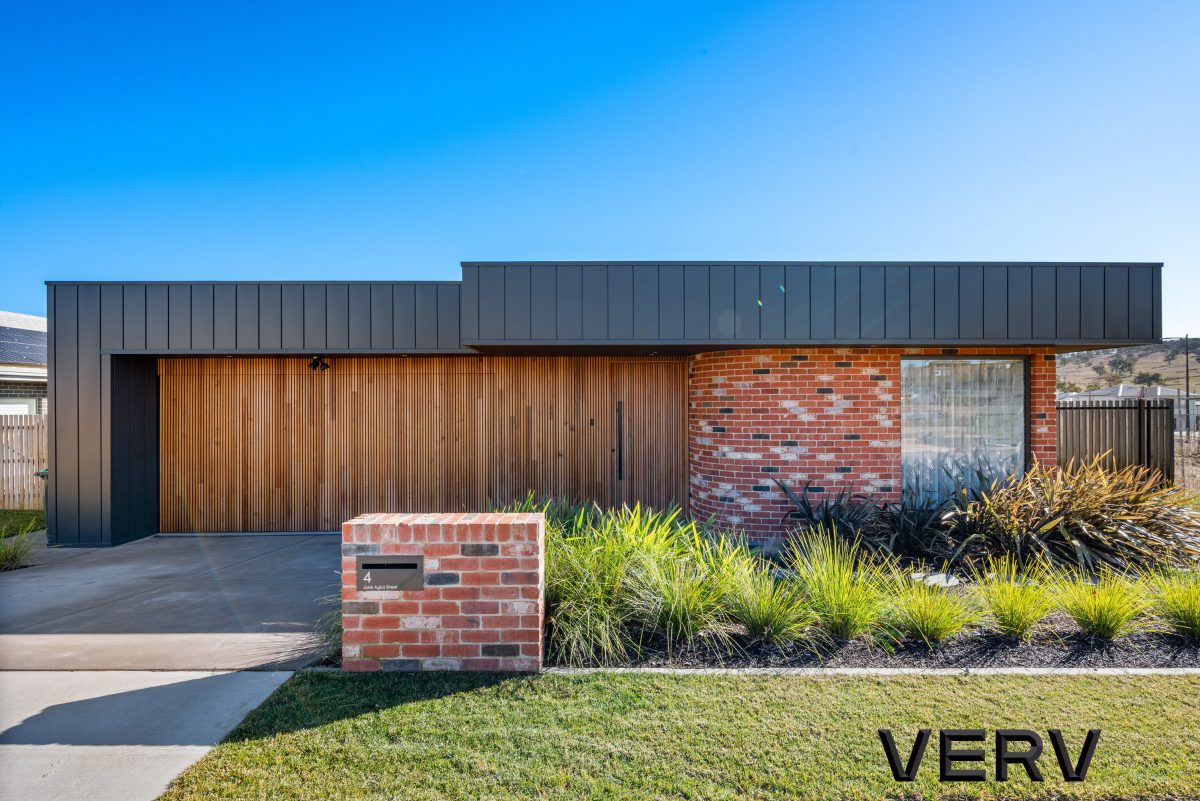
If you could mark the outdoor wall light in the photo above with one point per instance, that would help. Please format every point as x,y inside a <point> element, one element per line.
<point>318,363</point>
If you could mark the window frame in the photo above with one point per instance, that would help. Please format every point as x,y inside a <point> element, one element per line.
<point>1026,388</point>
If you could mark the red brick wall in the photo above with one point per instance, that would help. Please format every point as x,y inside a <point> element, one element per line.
<point>482,605</point>
<point>826,415</point>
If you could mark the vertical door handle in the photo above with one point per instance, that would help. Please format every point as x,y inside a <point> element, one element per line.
<point>620,444</point>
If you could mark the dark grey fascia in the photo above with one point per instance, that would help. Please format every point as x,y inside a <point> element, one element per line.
<point>699,306</point>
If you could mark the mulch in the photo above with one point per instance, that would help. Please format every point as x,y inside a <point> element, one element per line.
<point>1058,645</point>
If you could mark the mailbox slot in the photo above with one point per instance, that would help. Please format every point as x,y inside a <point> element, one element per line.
<point>390,573</point>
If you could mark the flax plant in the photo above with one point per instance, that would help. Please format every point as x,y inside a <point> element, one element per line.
<point>1085,516</point>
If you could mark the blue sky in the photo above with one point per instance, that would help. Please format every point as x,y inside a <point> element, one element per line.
<point>393,140</point>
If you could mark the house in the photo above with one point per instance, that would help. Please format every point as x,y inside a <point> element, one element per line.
<point>269,406</point>
<point>1186,414</point>
<point>22,363</point>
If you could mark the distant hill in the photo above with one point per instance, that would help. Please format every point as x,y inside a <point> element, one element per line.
<point>1125,365</point>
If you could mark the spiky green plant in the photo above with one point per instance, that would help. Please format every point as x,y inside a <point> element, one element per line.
<point>1015,598</point>
<point>613,576</point>
<point>1105,606</point>
<point>587,582</point>
<point>844,511</point>
<point>16,548</point>
<point>1176,601</point>
<point>772,610</point>
<point>919,610</point>
<point>682,594</point>
<point>847,593</point>
<point>329,626</point>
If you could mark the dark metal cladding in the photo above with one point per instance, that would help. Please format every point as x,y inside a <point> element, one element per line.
<point>716,304</point>
<point>105,337</point>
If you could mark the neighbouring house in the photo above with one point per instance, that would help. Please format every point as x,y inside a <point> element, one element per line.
<point>1187,407</point>
<point>22,363</point>
<point>271,406</point>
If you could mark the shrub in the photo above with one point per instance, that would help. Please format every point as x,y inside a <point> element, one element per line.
<point>686,591</point>
<point>329,627</point>
<point>1176,601</point>
<point>1084,516</point>
<point>15,551</point>
<point>772,610</point>
<point>589,605</point>
<point>843,511</point>
<point>847,593</point>
<point>918,610</point>
<point>1016,598</point>
<point>16,540</point>
<point>914,528</point>
<point>1106,606</point>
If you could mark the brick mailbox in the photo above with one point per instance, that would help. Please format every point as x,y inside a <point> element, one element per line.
<point>442,592</point>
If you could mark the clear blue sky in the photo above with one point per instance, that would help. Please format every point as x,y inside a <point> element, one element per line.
<point>391,141</point>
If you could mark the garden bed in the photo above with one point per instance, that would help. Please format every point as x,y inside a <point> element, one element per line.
<point>1058,646</point>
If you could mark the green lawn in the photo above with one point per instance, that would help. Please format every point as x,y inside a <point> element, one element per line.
<point>15,521</point>
<point>641,736</point>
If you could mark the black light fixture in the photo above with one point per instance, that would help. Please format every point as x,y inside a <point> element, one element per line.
<point>318,363</point>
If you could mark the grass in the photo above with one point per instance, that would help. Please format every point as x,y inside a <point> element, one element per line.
<point>1017,600</point>
<point>599,575</point>
<point>19,521</point>
<point>1107,607</point>
<point>638,736</point>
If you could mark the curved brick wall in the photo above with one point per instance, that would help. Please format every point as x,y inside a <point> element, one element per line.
<point>826,415</point>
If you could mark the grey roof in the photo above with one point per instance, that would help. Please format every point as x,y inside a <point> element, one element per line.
<point>22,346</point>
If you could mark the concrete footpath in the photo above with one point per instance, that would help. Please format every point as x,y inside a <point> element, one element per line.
<point>115,735</point>
<point>120,667</point>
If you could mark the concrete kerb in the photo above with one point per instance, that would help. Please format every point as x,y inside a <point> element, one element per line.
<point>883,672</point>
<point>851,672</point>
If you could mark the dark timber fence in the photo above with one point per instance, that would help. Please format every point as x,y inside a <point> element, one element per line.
<point>1133,430</point>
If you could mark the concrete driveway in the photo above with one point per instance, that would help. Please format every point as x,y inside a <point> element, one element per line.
<point>112,735</point>
<point>170,602</point>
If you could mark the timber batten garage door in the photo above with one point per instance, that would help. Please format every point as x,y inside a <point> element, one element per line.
<point>267,444</point>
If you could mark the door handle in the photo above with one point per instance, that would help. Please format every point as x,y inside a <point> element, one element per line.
<point>620,443</point>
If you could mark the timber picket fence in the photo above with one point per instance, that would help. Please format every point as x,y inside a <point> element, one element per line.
<point>23,452</point>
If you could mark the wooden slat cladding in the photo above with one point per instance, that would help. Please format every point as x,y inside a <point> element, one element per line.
<point>646,438</point>
<point>1127,431</point>
<point>266,444</point>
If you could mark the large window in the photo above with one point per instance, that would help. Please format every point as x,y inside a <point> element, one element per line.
<point>962,423</point>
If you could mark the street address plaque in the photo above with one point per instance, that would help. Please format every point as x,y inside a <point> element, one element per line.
<point>390,573</point>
